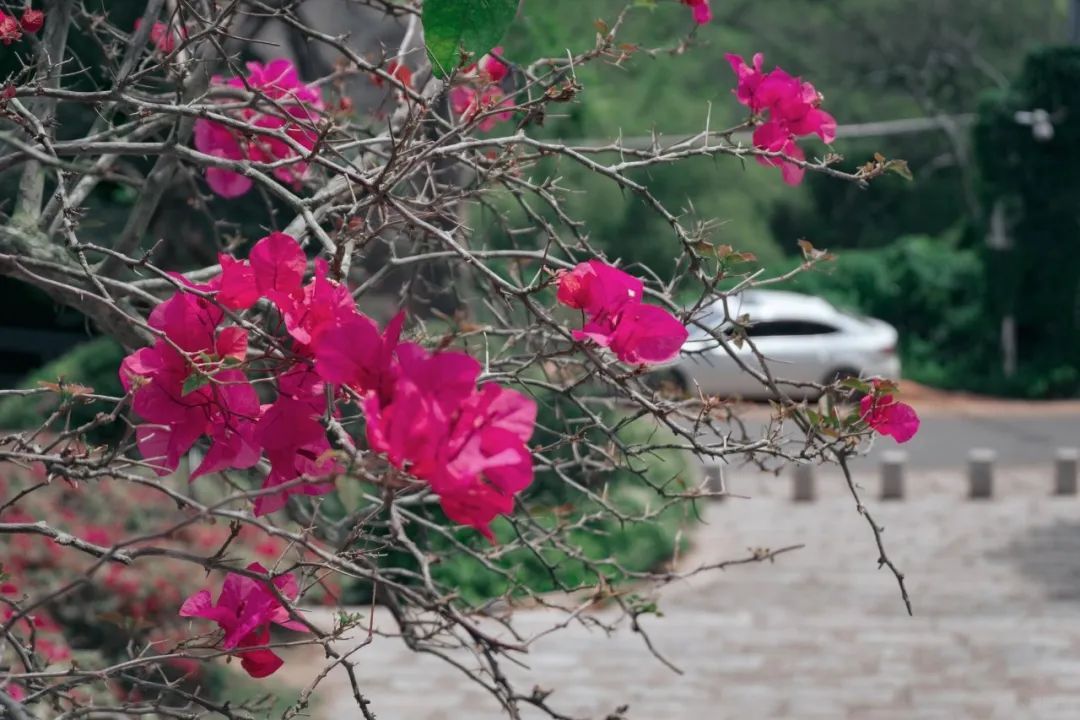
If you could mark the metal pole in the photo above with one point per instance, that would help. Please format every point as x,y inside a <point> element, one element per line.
<point>1074,22</point>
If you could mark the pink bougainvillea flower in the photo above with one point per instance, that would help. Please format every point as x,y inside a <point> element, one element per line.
<point>279,264</point>
<point>749,79</point>
<point>223,407</point>
<point>597,288</point>
<point>468,102</point>
<point>616,318</point>
<point>9,29</point>
<point>493,67</point>
<point>164,37</point>
<point>647,334</point>
<point>245,610</point>
<point>275,270</point>
<point>772,137</point>
<point>887,416</point>
<point>423,410</point>
<point>302,103</point>
<point>221,142</point>
<point>279,81</point>
<point>396,70</point>
<point>322,305</point>
<point>32,20</point>
<point>237,289</point>
<point>487,457</point>
<point>295,443</point>
<point>789,108</point>
<point>795,105</point>
<point>702,11</point>
<point>355,354</point>
<point>469,444</point>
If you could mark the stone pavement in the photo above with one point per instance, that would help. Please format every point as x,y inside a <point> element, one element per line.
<point>819,633</point>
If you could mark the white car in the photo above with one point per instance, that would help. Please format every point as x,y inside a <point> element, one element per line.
<point>802,338</point>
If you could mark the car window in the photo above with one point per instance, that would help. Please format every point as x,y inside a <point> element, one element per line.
<point>775,328</point>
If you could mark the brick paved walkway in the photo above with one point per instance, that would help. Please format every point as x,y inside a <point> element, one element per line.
<point>821,633</point>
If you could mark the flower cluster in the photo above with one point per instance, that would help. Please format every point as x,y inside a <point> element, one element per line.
<point>11,30</point>
<point>396,70</point>
<point>137,603</point>
<point>481,92</point>
<point>616,317</point>
<point>424,411</point>
<point>245,610</point>
<point>702,11</point>
<point>790,109</point>
<point>294,109</point>
<point>887,416</point>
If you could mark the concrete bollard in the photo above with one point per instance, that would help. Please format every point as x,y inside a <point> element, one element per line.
<point>892,474</point>
<point>714,480</point>
<point>981,473</point>
<point>803,490</point>
<point>1066,461</point>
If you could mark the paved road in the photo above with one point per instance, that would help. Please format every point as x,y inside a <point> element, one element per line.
<point>1025,438</point>
<point>821,633</point>
<point>943,441</point>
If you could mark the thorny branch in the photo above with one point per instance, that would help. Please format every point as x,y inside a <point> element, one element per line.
<point>414,207</point>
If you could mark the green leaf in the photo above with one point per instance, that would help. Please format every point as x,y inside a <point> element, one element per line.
<point>193,382</point>
<point>900,167</point>
<point>472,26</point>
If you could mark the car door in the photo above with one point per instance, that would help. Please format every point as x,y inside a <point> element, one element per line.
<point>795,350</point>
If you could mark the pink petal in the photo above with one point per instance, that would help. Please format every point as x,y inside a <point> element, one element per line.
<point>232,342</point>
<point>197,605</point>
<point>279,264</point>
<point>226,183</point>
<point>238,290</point>
<point>648,334</point>
<point>260,663</point>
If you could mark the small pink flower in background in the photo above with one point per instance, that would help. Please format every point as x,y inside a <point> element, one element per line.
<point>9,29</point>
<point>164,36</point>
<point>245,610</point>
<point>493,67</point>
<point>302,103</point>
<point>481,92</point>
<point>32,20</point>
<point>468,102</point>
<point>885,415</point>
<point>396,70</point>
<point>15,691</point>
<point>616,317</point>
<point>790,107</point>
<point>702,11</point>
<point>222,142</point>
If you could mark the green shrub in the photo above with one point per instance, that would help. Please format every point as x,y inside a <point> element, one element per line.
<point>94,364</point>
